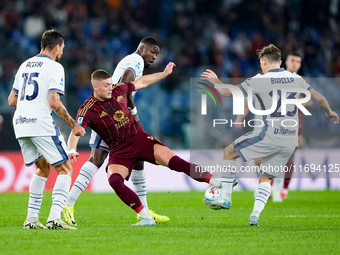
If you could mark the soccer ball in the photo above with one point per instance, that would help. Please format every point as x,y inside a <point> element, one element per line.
<point>212,193</point>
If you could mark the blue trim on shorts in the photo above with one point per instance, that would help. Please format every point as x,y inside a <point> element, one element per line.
<point>97,142</point>
<point>31,163</point>
<point>60,148</point>
<point>251,141</point>
<point>268,175</point>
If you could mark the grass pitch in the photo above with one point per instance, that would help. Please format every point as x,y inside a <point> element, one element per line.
<point>307,223</point>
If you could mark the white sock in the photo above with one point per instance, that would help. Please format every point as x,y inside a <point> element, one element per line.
<point>59,195</point>
<point>36,195</point>
<point>277,185</point>
<point>145,213</point>
<point>87,171</point>
<point>261,198</point>
<point>215,182</point>
<point>139,186</point>
<point>228,178</point>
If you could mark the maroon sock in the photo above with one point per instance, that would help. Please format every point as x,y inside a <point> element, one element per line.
<point>129,197</point>
<point>192,170</point>
<point>288,175</point>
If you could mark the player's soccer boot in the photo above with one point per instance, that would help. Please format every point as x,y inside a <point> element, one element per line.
<point>284,194</point>
<point>276,197</point>
<point>58,224</point>
<point>29,224</point>
<point>253,221</point>
<point>254,218</point>
<point>235,182</point>
<point>145,222</point>
<point>158,218</point>
<point>217,203</point>
<point>68,215</point>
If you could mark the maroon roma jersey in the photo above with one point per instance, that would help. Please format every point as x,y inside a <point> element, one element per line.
<point>110,119</point>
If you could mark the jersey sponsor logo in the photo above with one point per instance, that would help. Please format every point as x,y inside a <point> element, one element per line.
<point>103,114</point>
<point>284,131</point>
<point>118,115</point>
<point>80,120</point>
<point>61,82</point>
<point>150,137</point>
<point>120,99</point>
<point>34,64</point>
<point>24,120</point>
<point>138,65</point>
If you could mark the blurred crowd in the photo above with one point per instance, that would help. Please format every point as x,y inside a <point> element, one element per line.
<point>195,34</point>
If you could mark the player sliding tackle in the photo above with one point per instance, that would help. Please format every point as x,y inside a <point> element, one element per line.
<point>274,147</point>
<point>108,115</point>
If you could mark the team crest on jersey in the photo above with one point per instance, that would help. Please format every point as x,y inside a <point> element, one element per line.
<point>80,120</point>
<point>103,114</point>
<point>119,115</point>
<point>120,99</point>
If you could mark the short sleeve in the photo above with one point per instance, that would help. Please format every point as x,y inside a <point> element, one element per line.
<point>57,80</point>
<point>15,87</point>
<point>82,119</point>
<point>303,83</point>
<point>248,83</point>
<point>136,65</point>
<point>126,87</point>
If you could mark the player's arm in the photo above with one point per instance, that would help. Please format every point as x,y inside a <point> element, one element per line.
<point>147,80</point>
<point>212,77</point>
<point>323,103</point>
<point>72,147</point>
<point>13,99</point>
<point>129,76</point>
<point>241,117</point>
<point>59,108</point>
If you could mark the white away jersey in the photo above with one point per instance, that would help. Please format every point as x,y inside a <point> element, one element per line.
<point>278,127</point>
<point>34,80</point>
<point>133,62</point>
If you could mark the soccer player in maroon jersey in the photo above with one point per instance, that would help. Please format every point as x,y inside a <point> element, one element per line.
<point>107,113</point>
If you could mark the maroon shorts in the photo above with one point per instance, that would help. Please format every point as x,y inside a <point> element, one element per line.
<point>138,147</point>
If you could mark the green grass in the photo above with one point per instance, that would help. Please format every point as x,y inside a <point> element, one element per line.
<point>307,223</point>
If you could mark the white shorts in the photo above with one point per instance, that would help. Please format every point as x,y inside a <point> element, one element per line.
<point>53,148</point>
<point>97,142</point>
<point>257,145</point>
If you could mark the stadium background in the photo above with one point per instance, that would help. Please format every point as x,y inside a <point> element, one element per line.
<point>221,34</point>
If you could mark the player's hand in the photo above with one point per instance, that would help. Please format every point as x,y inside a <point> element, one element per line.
<point>78,130</point>
<point>210,76</point>
<point>238,125</point>
<point>333,116</point>
<point>73,155</point>
<point>168,69</point>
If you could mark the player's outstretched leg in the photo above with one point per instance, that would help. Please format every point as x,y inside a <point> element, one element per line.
<point>228,181</point>
<point>36,189</point>
<point>139,186</point>
<point>59,196</point>
<point>87,171</point>
<point>116,174</point>
<point>261,198</point>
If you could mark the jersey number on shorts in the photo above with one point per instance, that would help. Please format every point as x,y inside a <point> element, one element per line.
<point>276,113</point>
<point>29,80</point>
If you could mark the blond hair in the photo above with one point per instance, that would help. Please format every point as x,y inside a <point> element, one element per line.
<point>270,52</point>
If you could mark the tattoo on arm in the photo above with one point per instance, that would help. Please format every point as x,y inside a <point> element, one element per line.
<point>61,111</point>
